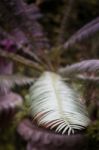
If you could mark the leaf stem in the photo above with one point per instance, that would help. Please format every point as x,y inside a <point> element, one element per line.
<point>20,59</point>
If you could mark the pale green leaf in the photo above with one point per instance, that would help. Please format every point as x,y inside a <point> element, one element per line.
<point>56,105</point>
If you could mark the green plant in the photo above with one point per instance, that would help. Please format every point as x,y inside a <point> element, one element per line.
<point>54,103</point>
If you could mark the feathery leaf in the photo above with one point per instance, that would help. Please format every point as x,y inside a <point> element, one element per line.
<point>9,103</point>
<point>85,32</point>
<point>8,81</point>
<point>83,66</point>
<point>88,78</point>
<point>20,59</point>
<point>23,23</point>
<point>55,105</point>
<point>20,45</point>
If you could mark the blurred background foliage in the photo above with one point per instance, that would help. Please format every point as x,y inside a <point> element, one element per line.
<point>82,12</point>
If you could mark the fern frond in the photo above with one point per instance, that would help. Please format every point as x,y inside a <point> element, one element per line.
<point>9,103</point>
<point>55,105</point>
<point>20,59</point>
<point>85,32</point>
<point>88,78</point>
<point>7,15</point>
<point>20,42</point>
<point>29,52</point>
<point>8,81</point>
<point>23,23</point>
<point>83,66</point>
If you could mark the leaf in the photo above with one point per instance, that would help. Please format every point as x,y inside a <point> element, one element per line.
<point>85,32</point>
<point>20,59</point>
<point>20,42</point>
<point>9,103</point>
<point>8,81</point>
<point>55,105</point>
<point>88,78</point>
<point>83,66</point>
<point>23,24</point>
<point>25,129</point>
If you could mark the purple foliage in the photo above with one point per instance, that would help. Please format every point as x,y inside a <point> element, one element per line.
<point>41,139</point>
<point>5,65</point>
<point>81,67</point>
<point>8,45</point>
<point>84,33</point>
<point>23,18</point>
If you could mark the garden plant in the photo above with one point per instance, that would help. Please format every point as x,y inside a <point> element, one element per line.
<point>58,110</point>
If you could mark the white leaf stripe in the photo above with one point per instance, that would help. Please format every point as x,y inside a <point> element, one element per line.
<point>55,104</point>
